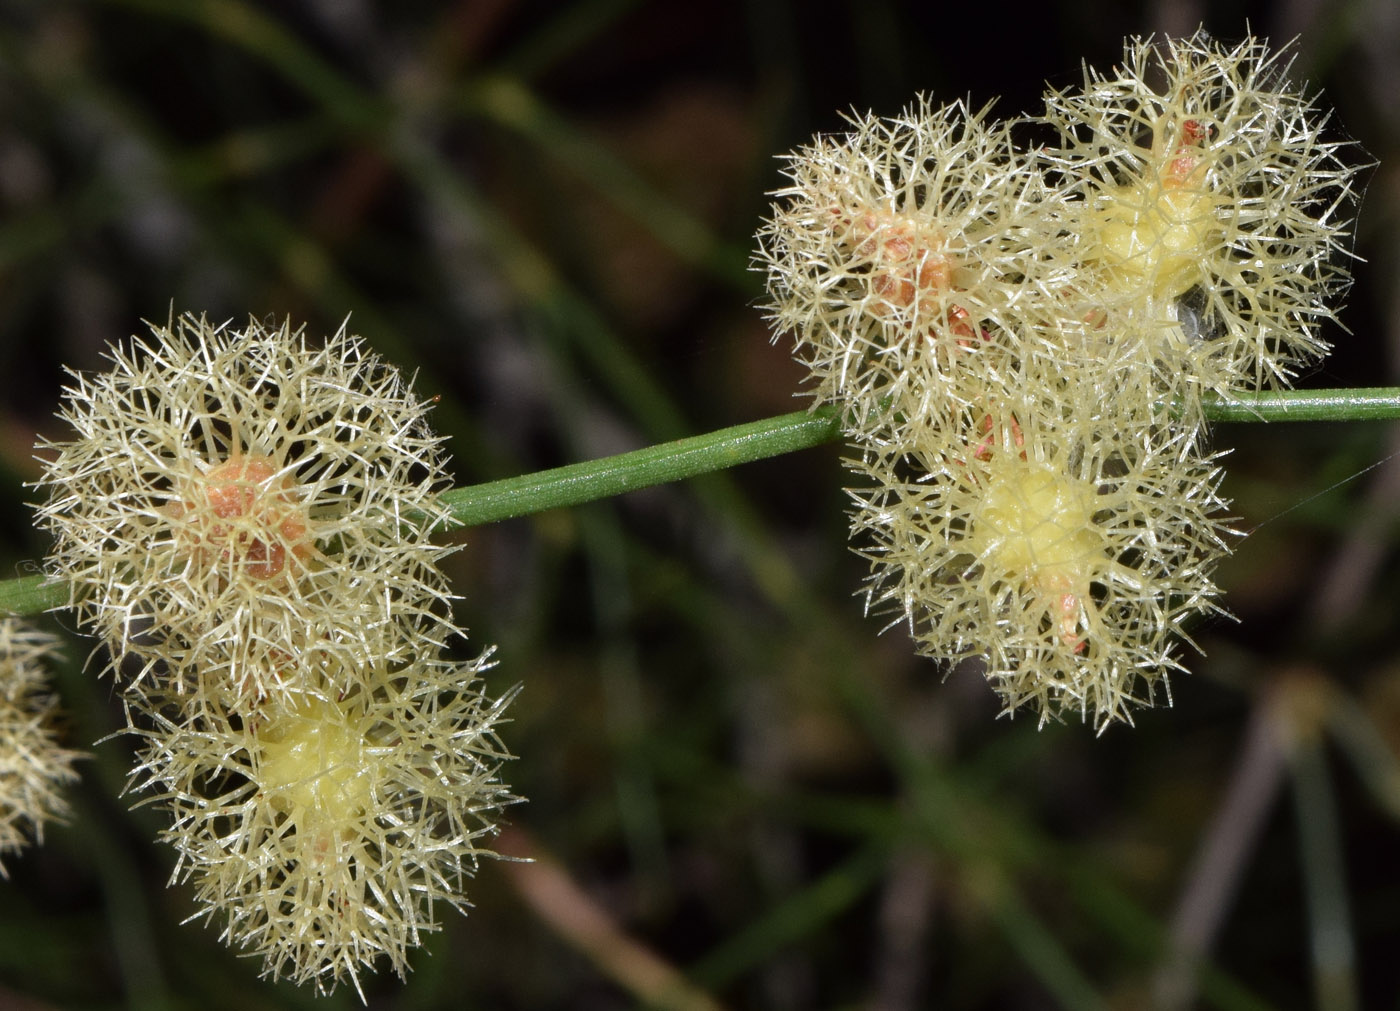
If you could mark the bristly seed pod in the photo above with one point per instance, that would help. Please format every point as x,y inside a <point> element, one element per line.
<point>1066,552</point>
<point>899,257</point>
<point>321,828</point>
<point>1213,212</point>
<point>229,496</point>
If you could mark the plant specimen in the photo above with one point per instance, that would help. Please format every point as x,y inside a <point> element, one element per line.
<point>1020,328</point>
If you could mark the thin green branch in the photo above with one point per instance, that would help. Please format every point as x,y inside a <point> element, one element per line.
<point>728,447</point>
<point>31,595</point>
<point>641,468</point>
<point>1381,403</point>
<point>591,480</point>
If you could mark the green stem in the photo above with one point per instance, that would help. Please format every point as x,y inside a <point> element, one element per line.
<point>728,447</point>
<point>1381,403</point>
<point>641,468</point>
<point>701,454</point>
<point>31,595</point>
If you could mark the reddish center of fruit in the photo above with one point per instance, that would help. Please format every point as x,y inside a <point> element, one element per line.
<point>252,518</point>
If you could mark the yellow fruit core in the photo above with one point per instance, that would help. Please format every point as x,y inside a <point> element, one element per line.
<point>1153,235</point>
<point>311,760</point>
<point>1036,526</point>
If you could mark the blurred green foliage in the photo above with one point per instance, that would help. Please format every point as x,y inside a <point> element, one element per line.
<point>545,209</point>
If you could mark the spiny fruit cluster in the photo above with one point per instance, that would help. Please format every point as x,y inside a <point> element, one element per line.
<point>244,519</point>
<point>1019,338</point>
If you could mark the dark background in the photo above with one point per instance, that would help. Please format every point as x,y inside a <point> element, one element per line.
<point>546,210</point>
